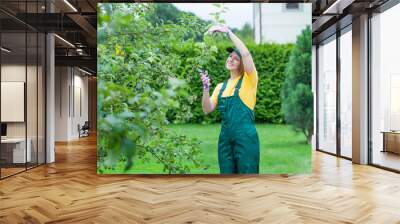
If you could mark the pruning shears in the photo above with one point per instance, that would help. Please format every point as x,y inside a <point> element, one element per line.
<point>201,71</point>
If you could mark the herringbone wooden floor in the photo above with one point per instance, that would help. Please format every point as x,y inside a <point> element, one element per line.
<point>70,191</point>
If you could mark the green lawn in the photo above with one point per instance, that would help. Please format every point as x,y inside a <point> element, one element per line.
<point>282,150</point>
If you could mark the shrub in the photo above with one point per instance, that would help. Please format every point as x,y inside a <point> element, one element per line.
<point>137,86</point>
<point>297,96</point>
<point>270,61</point>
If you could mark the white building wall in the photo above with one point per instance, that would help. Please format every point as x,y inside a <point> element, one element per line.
<point>71,102</point>
<point>279,24</point>
<point>256,21</point>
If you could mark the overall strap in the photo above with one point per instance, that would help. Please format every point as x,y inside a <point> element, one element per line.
<point>238,85</point>
<point>222,88</point>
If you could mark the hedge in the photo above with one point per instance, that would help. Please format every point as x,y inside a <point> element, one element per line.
<point>270,61</point>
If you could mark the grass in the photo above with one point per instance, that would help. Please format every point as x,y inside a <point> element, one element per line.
<point>282,150</point>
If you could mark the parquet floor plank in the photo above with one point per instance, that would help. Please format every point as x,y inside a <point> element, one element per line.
<point>70,191</point>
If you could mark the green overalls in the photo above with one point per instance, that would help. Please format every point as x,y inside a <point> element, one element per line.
<point>238,144</point>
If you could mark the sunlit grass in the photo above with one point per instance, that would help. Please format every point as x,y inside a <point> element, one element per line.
<point>282,150</point>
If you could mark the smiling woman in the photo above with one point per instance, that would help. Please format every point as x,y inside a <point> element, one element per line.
<point>238,144</point>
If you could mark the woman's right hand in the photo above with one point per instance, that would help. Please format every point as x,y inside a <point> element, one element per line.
<point>218,28</point>
<point>205,80</point>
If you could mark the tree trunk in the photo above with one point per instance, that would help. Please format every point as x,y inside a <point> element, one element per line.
<point>309,138</point>
<point>309,135</point>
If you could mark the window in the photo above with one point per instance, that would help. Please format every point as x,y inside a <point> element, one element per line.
<point>327,96</point>
<point>22,77</point>
<point>346,94</point>
<point>292,6</point>
<point>385,89</point>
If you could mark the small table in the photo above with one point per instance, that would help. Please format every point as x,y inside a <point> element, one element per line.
<point>391,141</point>
<point>13,150</point>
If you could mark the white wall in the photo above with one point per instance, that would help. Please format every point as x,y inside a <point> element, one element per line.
<point>14,72</point>
<point>278,24</point>
<point>70,83</point>
<point>33,126</point>
<point>79,117</point>
<point>62,82</point>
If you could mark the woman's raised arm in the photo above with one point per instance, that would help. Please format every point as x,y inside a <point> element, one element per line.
<point>248,63</point>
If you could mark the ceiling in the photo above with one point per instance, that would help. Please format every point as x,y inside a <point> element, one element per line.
<point>328,15</point>
<point>75,21</point>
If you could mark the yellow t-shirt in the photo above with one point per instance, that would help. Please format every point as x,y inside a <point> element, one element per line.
<point>247,91</point>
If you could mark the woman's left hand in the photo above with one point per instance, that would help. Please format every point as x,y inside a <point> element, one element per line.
<point>205,80</point>
<point>218,28</point>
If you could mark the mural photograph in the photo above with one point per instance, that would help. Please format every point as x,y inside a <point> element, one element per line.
<point>198,88</point>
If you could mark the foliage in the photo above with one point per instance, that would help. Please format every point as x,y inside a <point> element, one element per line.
<point>209,54</point>
<point>167,13</point>
<point>246,33</point>
<point>138,84</point>
<point>297,96</point>
<point>270,61</point>
<point>221,8</point>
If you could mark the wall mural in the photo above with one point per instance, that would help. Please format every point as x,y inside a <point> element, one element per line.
<point>216,89</point>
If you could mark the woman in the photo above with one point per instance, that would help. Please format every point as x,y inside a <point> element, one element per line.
<point>238,144</point>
